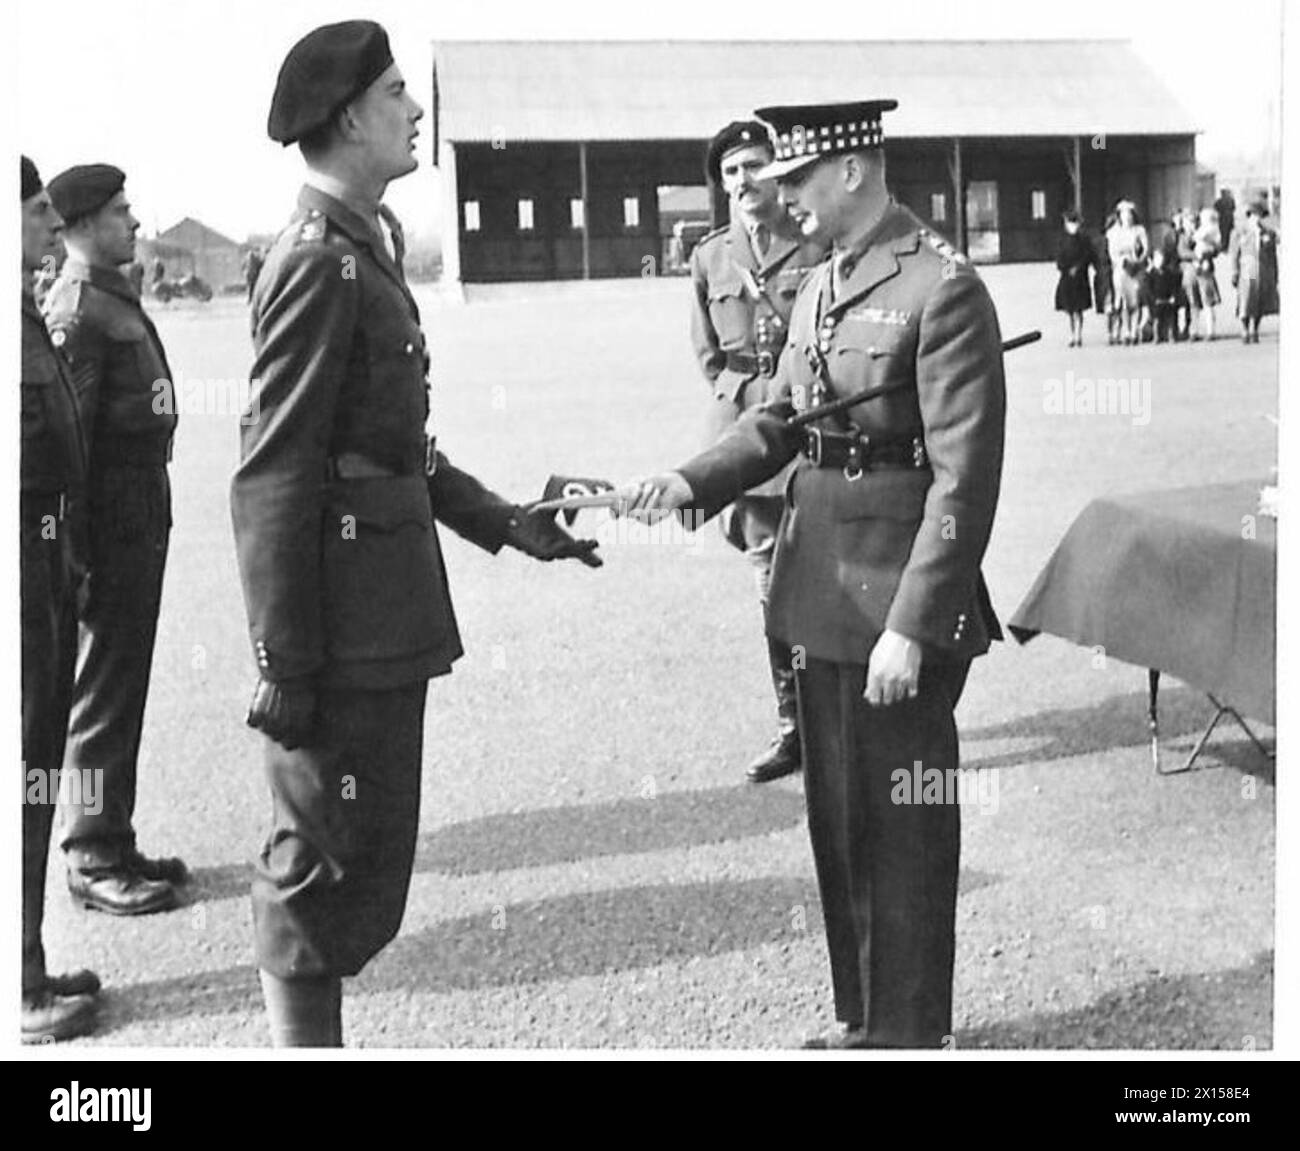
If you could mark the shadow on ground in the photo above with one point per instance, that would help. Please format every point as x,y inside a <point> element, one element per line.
<point>1228,1010</point>
<point>1120,721</point>
<point>568,937</point>
<point>623,827</point>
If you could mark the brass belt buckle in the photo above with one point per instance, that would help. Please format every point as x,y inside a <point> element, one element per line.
<point>766,364</point>
<point>430,455</point>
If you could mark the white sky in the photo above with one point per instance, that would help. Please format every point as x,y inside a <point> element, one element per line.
<point>176,93</point>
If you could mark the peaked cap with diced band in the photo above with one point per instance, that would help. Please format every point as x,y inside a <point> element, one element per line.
<point>804,133</point>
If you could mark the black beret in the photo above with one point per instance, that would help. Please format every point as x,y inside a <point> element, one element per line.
<point>323,71</point>
<point>806,132</point>
<point>30,179</point>
<point>737,134</point>
<point>85,189</point>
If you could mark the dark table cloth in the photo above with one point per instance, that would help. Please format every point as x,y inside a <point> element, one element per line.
<point>1170,580</point>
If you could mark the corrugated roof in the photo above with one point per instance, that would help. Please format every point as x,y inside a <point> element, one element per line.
<point>685,89</point>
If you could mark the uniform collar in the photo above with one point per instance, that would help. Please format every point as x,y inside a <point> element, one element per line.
<point>106,279</point>
<point>779,248</point>
<point>358,228</point>
<point>874,257</point>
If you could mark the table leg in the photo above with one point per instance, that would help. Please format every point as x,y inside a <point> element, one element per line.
<point>1153,720</point>
<point>1220,710</point>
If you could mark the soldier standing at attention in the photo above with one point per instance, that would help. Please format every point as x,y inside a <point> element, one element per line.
<point>746,276</point>
<point>52,466</point>
<point>123,387</point>
<point>333,504</point>
<point>877,571</point>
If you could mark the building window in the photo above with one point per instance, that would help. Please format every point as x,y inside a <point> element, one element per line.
<point>938,207</point>
<point>1038,204</point>
<point>577,214</point>
<point>631,212</point>
<point>525,215</point>
<point>472,222</point>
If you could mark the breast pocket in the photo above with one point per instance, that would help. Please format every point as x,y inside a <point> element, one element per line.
<point>732,315</point>
<point>382,577</point>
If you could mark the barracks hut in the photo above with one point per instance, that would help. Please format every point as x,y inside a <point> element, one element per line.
<point>554,154</point>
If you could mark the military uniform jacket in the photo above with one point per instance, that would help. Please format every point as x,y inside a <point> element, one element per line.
<point>119,370</point>
<point>892,548</point>
<point>742,305</point>
<point>343,575</point>
<point>53,454</point>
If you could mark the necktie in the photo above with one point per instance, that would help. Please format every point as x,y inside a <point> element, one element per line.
<point>395,231</point>
<point>761,238</point>
<point>838,275</point>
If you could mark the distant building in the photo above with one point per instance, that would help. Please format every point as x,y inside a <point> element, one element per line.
<point>553,153</point>
<point>192,248</point>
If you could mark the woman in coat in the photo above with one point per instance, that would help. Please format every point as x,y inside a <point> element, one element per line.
<point>1254,271</point>
<point>1073,259</point>
<point>1129,248</point>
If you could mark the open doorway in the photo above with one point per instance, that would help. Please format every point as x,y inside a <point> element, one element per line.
<point>684,217</point>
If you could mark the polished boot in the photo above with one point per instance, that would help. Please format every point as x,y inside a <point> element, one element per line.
<point>120,892</point>
<point>304,1012</point>
<point>783,757</point>
<point>164,869</point>
<point>48,1017</point>
<point>852,1037</point>
<point>83,982</point>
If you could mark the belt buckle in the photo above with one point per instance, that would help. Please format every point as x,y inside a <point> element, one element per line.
<point>766,364</point>
<point>430,456</point>
<point>813,446</point>
<point>853,469</point>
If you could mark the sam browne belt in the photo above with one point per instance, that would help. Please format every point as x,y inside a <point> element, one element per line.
<point>857,452</point>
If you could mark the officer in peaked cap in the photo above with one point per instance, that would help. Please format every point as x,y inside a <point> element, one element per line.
<point>877,571</point>
<point>334,503</point>
<point>52,467</point>
<point>118,363</point>
<point>746,276</point>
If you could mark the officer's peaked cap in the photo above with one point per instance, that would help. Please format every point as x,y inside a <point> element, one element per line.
<point>804,133</point>
<point>323,71</point>
<point>85,188</point>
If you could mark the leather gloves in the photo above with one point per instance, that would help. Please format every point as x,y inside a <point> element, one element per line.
<point>538,535</point>
<point>284,711</point>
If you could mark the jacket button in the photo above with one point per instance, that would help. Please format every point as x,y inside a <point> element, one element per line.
<point>410,347</point>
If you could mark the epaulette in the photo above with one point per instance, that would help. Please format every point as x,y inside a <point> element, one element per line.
<point>312,228</point>
<point>942,248</point>
<point>704,239</point>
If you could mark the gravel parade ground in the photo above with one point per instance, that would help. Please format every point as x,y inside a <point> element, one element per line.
<point>593,870</point>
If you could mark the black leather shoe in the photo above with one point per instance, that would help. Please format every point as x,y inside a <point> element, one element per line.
<point>165,869</point>
<point>48,1018</point>
<point>782,758</point>
<point>77,983</point>
<point>121,893</point>
<point>846,1039</point>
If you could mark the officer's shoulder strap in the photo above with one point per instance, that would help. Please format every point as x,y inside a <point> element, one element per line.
<point>713,235</point>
